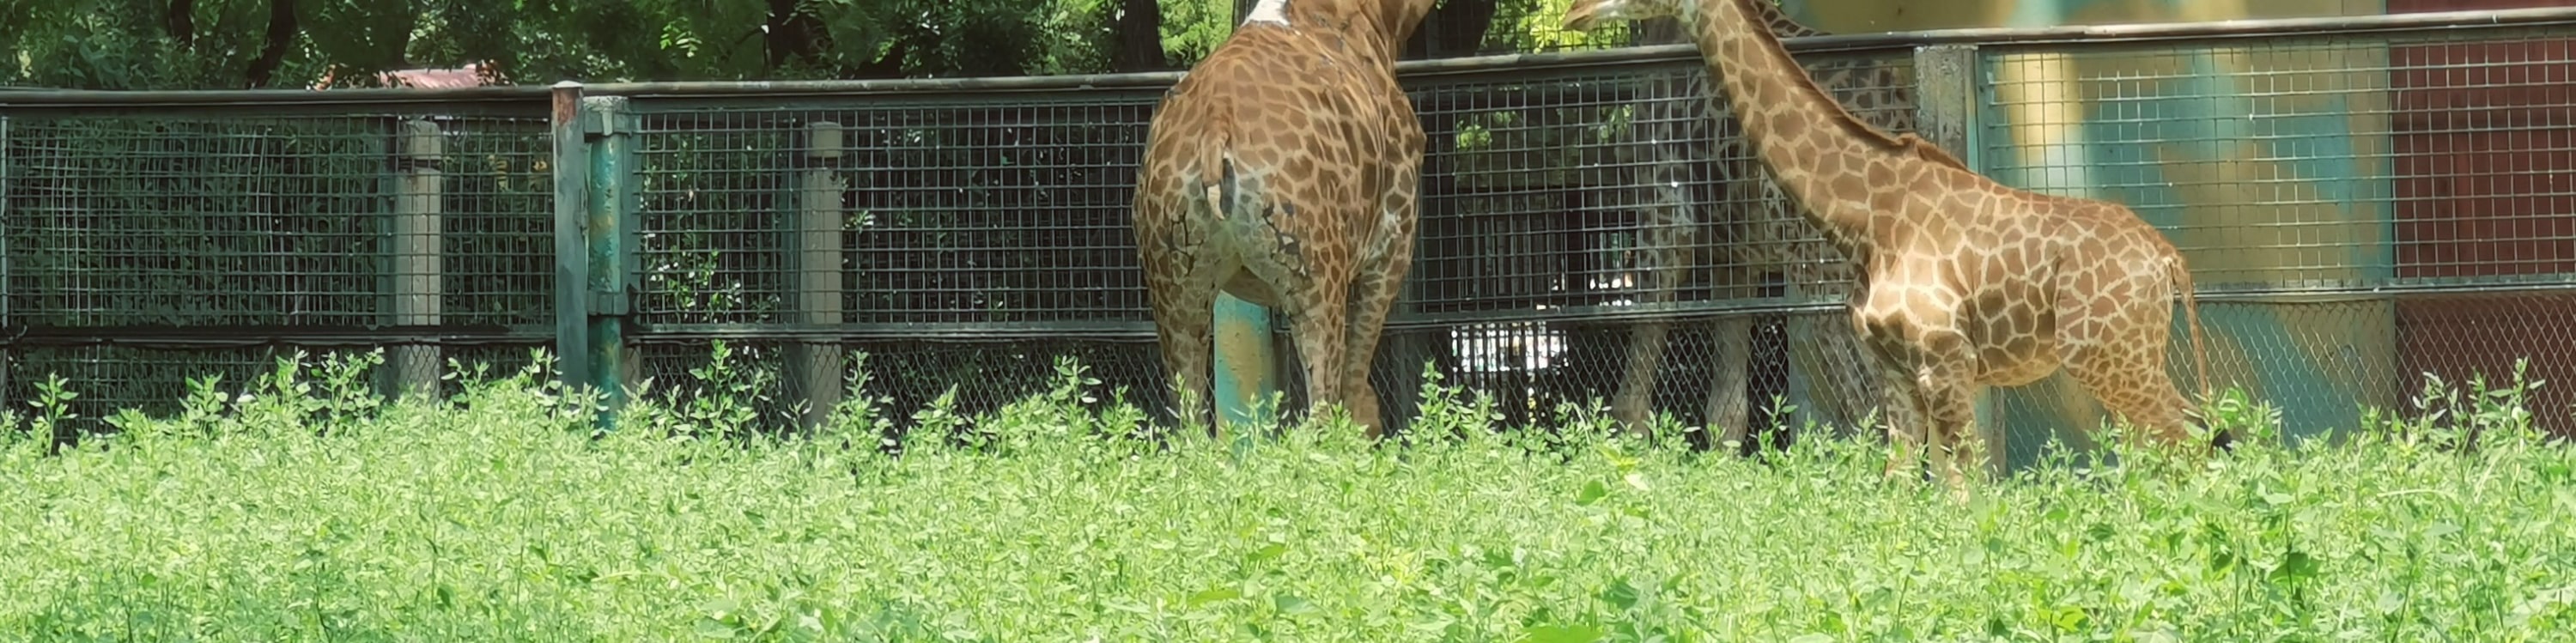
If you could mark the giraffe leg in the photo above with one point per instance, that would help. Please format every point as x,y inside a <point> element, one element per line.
<point>2118,354</point>
<point>1902,406</point>
<point>1949,421</point>
<point>1728,413</point>
<point>1319,327</point>
<point>1372,294</point>
<point>1633,405</point>
<point>1184,321</point>
<point>2126,372</point>
<point>1670,264</point>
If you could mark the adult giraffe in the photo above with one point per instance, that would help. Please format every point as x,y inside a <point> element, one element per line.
<point>1283,170</point>
<point>1963,282</point>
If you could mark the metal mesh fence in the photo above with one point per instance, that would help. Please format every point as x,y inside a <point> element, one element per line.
<point>146,249</point>
<point>2360,209</point>
<point>1570,218</point>
<point>951,212</point>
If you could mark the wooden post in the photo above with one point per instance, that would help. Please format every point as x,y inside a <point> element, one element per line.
<point>416,264</point>
<point>1945,113</point>
<point>814,267</point>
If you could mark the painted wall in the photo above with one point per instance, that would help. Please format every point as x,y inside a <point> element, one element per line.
<point>2267,163</point>
<point>1866,16</point>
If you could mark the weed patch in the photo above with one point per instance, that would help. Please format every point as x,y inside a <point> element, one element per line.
<point>300,507</point>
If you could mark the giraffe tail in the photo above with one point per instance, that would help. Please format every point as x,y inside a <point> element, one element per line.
<point>2181,275</point>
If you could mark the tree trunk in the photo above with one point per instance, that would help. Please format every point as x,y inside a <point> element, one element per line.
<point>792,33</point>
<point>281,36</point>
<point>181,22</point>
<point>1140,37</point>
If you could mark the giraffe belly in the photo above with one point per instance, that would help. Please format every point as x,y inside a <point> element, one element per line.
<point>2010,354</point>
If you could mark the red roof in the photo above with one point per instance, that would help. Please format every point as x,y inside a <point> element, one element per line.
<point>471,75</point>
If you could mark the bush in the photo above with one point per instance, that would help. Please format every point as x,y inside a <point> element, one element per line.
<point>302,508</point>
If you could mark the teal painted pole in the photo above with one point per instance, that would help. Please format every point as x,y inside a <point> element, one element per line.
<point>572,265</point>
<point>1247,366</point>
<point>611,200</point>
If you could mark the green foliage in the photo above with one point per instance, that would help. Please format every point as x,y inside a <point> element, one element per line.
<point>140,44</point>
<point>300,508</point>
<point>145,44</point>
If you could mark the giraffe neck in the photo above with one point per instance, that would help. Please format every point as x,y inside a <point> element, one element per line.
<point>1803,134</point>
<point>1781,25</point>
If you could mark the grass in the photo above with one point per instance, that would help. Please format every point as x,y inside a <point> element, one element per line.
<point>299,507</point>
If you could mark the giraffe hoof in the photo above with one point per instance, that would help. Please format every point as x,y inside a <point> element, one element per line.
<point>2224,441</point>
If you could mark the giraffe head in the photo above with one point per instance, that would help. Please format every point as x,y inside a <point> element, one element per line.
<point>1584,15</point>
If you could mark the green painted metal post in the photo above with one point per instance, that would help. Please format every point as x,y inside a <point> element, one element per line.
<point>1247,363</point>
<point>609,210</point>
<point>572,262</point>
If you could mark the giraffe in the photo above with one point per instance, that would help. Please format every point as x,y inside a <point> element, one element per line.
<point>1765,235</point>
<point>1283,169</point>
<point>1962,282</point>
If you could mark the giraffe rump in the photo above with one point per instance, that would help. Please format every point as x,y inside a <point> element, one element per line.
<point>1283,170</point>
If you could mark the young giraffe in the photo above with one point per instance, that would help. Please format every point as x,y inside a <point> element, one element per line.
<point>1963,282</point>
<point>1683,127</point>
<point>1282,169</point>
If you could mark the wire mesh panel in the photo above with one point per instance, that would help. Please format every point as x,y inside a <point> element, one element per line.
<point>927,220</point>
<point>2332,167</point>
<point>955,212</point>
<point>161,232</point>
<point>196,222</point>
<point>1573,220</point>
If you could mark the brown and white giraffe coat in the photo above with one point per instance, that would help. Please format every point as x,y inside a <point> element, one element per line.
<point>1283,169</point>
<point>1963,282</point>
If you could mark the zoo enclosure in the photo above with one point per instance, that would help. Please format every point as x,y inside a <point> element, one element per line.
<point>2363,200</point>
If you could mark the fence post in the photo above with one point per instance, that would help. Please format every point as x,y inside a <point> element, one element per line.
<point>1247,363</point>
<point>417,263</point>
<point>572,266</point>
<point>814,273</point>
<point>5,179</point>
<point>608,130</point>
<point>1945,113</point>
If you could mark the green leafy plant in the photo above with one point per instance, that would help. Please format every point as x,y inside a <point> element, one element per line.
<point>304,506</point>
